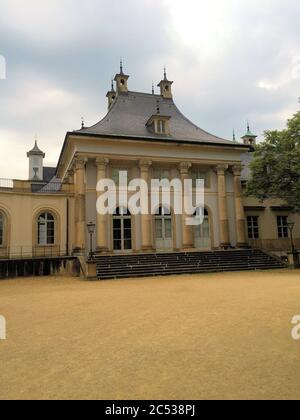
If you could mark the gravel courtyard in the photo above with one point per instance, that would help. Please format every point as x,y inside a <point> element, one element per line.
<point>222,336</point>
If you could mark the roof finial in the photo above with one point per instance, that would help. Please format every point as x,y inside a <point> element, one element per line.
<point>82,123</point>
<point>121,66</point>
<point>248,126</point>
<point>165,73</point>
<point>153,92</point>
<point>112,85</point>
<point>234,136</point>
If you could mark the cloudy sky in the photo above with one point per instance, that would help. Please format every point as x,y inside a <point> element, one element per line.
<point>230,60</point>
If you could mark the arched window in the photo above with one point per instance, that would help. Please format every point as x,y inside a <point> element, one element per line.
<point>46,229</point>
<point>2,227</point>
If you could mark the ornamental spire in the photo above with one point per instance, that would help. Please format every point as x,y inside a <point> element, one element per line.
<point>165,73</point>
<point>234,136</point>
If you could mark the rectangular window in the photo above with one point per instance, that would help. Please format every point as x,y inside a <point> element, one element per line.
<point>161,127</point>
<point>160,174</point>
<point>115,175</point>
<point>282,226</point>
<point>200,174</point>
<point>253,227</point>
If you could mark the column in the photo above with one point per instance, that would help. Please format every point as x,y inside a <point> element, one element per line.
<point>102,220</point>
<point>80,222</point>
<point>239,207</point>
<point>223,212</point>
<point>146,219</point>
<point>187,231</point>
<point>70,176</point>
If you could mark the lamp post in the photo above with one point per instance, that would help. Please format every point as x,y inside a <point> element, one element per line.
<point>91,229</point>
<point>291,226</point>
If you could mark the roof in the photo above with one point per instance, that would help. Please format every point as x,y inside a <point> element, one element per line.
<point>48,173</point>
<point>36,151</point>
<point>249,133</point>
<point>130,112</point>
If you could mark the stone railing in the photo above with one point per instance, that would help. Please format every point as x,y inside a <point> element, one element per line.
<point>27,186</point>
<point>6,183</point>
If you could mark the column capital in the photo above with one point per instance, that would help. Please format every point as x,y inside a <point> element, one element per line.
<point>145,164</point>
<point>221,169</point>
<point>184,167</point>
<point>100,161</point>
<point>80,162</point>
<point>237,170</point>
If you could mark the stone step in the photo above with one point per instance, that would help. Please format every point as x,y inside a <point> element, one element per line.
<point>125,275</point>
<point>144,265</point>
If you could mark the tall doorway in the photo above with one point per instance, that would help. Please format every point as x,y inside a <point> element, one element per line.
<point>163,229</point>
<point>122,230</point>
<point>203,234</point>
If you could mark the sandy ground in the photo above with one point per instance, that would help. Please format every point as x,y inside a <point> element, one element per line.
<point>223,336</point>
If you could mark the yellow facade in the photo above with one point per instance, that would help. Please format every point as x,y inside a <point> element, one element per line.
<point>49,222</point>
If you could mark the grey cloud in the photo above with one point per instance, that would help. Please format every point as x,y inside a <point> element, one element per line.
<point>71,49</point>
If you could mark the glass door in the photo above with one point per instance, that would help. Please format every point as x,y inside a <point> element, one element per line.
<point>202,234</point>
<point>164,230</point>
<point>122,231</point>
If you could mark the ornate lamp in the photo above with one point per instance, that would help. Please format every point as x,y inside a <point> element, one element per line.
<point>91,226</point>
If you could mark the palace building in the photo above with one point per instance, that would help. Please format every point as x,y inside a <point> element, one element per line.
<point>147,136</point>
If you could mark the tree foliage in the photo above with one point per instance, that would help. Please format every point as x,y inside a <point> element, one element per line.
<point>275,170</point>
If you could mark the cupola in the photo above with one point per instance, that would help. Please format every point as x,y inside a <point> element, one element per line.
<point>36,158</point>
<point>111,95</point>
<point>122,80</point>
<point>249,138</point>
<point>166,87</point>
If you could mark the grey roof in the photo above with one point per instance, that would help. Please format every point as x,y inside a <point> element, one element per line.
<point>130,112</point>
<point>48,173</point>
<point>247,158</point>
<point>36,151</point>
<point>54,185</point>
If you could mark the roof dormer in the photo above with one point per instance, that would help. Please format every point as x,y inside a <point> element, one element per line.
<point>159,124</point>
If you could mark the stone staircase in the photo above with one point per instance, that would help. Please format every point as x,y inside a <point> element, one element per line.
<point>164,264</point>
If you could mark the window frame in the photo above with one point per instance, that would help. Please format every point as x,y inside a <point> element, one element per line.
<point>198,174</point>
<point>160,177</point>
<point>116,169</point>
<point>282,229</point>
<point>253,230</point>
<point>46,223</point>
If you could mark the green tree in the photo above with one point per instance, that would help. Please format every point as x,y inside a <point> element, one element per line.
<point>275,170</point>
